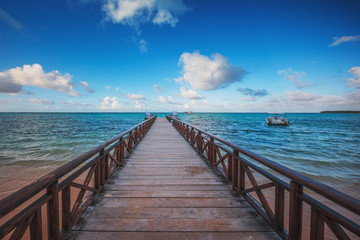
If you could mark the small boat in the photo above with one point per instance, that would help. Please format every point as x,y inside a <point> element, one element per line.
<point>189,113</point>
<point>147,115</point>
<point>277,119</point>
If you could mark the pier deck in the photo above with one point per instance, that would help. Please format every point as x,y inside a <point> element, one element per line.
<point>167,191</point>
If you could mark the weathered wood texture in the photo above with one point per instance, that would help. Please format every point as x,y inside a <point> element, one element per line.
<point>246,172</point>
<point>167,191</point>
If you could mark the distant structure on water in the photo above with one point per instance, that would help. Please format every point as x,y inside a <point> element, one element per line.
<point>340,112</point>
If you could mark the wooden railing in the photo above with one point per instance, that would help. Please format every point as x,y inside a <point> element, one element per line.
<point>87,173</point>
<point>245,170</point>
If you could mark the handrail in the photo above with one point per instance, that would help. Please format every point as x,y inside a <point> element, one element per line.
<point>234,168</point>
<point>99,169</point>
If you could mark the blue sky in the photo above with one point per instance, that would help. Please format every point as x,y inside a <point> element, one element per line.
<point>165,55</point>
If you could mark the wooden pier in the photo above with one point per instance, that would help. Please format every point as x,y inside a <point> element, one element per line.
<point>167,179</point>
<point>167,191</point>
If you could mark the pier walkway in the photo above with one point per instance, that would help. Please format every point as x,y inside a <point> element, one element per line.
<point>166,190</point>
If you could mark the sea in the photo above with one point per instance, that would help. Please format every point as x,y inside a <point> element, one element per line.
<point>325,147</point>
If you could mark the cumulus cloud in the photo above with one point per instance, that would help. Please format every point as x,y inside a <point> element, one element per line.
<point>168,100</point>
<point>136,96</point>
<point>10,20</point>
<point>253,93</point>
<point>13,80</point>
<point>339,40</point>
<point>117,89</point>
<point>163,17</point>
<point>107,87</point>
<point>189,94</point>
<point>143,46</point>
<point>109,103</point>
<point>354,82</point>
<point>295,77</point>
<point>157,88</point>
<point>71,102</point>
<point>205,73</point>
<point>86,87</point>
<point>300,96</point>
<point>40,101</point>
<point>135,12</point>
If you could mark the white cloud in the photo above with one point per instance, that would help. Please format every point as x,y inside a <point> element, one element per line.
<point>339,40</point>
<point>10,20</point>
<point>300,96</point>
<point>178,80</point>
<point>135,12</point>
<point>164,16</point>
<point>189,94</point>
<point>205,73</point>
<point>109,103</point>
<point>86,87</point>
<point>354,82</point>
<point>13,80</point>
<point>40,101</point>
<point>168,100</point>
<point>157,88</point>
<point>143,46</point>
<point>117,89</point>
<point>136,96</point>
<point>71,102</point>
<point>107,87</point>
<point>295,77</point>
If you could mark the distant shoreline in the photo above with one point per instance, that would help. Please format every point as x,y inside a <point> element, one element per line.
<point>340,112</point>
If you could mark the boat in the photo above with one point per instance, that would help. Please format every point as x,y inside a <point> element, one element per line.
<point>277,119</point>
<point>189,113</point>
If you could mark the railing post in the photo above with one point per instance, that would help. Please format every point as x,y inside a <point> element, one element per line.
<point>53,212</point>
<point>36,226</point>
<point>230,161</point>
<point>192,135</point>
<point>65,200</point>
<point>295,216</point>
<point>106,167</point>
<point>122,154</point>
<point>317,225</point>
<point>102,177</point>
<point>235,170</point>
<point>198,143</point>
<point>279,207</point>
<point>209,151</point>
<point>241,176</point>
<point>97,174</point>
<point>130,140</point>
<point>213,153</point>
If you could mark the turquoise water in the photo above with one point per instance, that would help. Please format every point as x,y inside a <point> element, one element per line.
<point>323,146</point>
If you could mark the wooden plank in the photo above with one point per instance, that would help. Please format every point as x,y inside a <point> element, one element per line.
<point>165,190</point>
<point>166,182</point>
<point>169,225</point>
<point>169,202</point>
<point>192,187</point>
<point>169,213</point>
<point>164,194</point>
<point>87,235</point>
<point>166,177</point>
